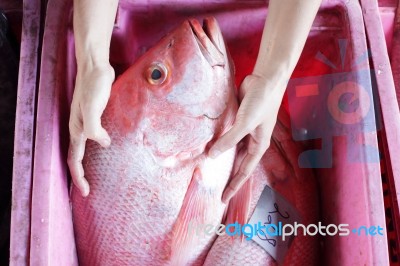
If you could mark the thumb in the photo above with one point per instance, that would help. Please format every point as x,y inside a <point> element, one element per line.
<point>93,129</point>
<point>229,139</point>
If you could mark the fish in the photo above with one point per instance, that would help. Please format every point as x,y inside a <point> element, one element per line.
<point>155,178</point>
<point>278,169</point>
<point>155,182</point>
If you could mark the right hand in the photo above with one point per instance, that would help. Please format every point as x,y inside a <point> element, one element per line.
<point>91,94</point>
<point>255,120</point>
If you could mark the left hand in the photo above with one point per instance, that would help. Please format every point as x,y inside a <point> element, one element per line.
<point>91,94</point>
<point>255,120</point>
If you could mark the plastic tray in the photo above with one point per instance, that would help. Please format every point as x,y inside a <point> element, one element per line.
<point>24,134</point>
<point>387,86</point>
<point>349,176</point>
<point>10,30</point>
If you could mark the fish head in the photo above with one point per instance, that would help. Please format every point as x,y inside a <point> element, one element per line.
<point>179,95</point>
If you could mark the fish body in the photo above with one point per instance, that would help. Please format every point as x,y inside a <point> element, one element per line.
<point>155,178</point>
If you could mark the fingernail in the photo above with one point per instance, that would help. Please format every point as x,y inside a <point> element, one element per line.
<point>224,201</point>
<point>214,153</point>
<point>85,191</point>
<point>227,196</point>
<point>105,142</point>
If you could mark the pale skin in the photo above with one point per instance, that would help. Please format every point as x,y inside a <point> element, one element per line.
<point>284,35</point>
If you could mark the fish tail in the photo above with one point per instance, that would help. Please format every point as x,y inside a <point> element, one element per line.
<point>197,210</point>
<point>239,205</point>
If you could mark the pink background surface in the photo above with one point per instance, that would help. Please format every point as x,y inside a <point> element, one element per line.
<point>349,192</point>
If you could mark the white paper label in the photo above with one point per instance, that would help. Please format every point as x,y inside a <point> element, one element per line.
<point>272,212</point>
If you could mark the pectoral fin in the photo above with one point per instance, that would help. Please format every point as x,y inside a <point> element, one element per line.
<point>239,205</point>
<point>198,208</point>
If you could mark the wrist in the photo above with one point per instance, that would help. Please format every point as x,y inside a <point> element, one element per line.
<point>88,71</point>
<point>277,76</point>
<point>90,53</point>
<point>90,63</point>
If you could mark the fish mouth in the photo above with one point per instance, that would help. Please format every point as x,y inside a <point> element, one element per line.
<point>209,39</point>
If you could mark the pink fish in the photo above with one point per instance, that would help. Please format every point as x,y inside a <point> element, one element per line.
<point>155,178</point>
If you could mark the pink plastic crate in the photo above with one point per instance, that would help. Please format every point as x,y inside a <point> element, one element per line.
<point>24,132</point>
<point>395,54</point>
<point>387,13</point>
<point>10,25</point>
<point>388,84</point>
<point>394,49</point>
<point>350,189</point>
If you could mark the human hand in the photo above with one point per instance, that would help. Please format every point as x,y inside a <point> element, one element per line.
<point>92,91</point>
<point>260,101</point>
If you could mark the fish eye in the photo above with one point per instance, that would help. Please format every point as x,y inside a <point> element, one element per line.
<point>156,74</point>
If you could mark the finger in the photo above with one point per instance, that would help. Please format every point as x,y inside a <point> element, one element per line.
<point>255,151</point>
<point>245,86</point>
<point>76,152</point>
<point>246,168</point>
<point>228,140</point>
<point>243,90</point>
<point>92,127</point>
